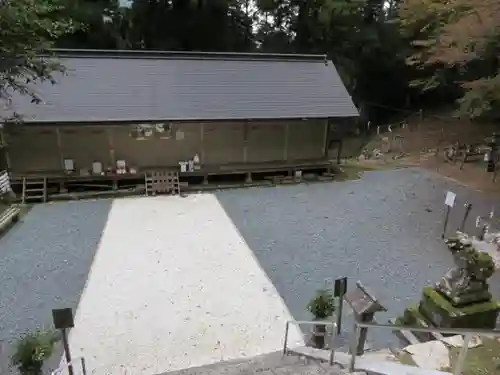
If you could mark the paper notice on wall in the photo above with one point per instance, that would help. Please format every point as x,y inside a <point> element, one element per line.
<point>450,199</point>
<point>179,135</point>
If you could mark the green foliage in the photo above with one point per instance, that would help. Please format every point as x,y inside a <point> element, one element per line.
<point>220,25</point>
<point>322,305</point>
<point>395,53</point>
<point>32,350</point>
<point>481,264</point>
<point>454,51</point>
<point>28,29</point>
<point>104,25</point>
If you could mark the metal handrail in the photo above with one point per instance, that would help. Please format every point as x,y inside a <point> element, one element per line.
<point>456,331</point>
<point>312,322</point>
<point>72,363</point>
<point>467,332</point>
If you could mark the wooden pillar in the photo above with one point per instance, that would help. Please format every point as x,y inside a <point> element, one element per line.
<point>325,147</point>
<point>285,148</point>
<point>246,130</point>
<point>339,152</point>
<point>4,143</point>
<point>202,143</point>
<point>111,146</point>
<point>59,147</point>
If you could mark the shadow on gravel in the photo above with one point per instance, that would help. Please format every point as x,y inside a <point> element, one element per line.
<point>44,263</point>
<point>384,230</point>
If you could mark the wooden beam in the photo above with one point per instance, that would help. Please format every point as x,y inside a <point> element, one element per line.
<point>202,141</point>
<point>4,145</point>
<point>285,148</point>
<point>111,146</point>
<point>59,147</point>
<point>325,147</point>
<point>246,132</point>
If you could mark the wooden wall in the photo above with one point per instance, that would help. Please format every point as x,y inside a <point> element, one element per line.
<point>34,148</point>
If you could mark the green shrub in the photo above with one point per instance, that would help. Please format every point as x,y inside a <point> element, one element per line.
<point>32,350</point>
<point>322,305</point>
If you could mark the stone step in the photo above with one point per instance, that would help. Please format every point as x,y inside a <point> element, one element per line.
<point>366,364</point>
<point>267,364</point>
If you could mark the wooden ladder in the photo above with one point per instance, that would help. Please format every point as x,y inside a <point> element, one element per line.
<point>34,188</point>
<point>162,182</point>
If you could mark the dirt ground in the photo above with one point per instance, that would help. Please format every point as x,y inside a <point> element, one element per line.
<point>422,142</point>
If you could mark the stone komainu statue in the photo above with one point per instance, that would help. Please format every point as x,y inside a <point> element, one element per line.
<point>467,282</point>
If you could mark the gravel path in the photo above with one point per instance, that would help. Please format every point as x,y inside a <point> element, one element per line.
<point>383,230</point>
<point>44,261</point>
<point>173,285</point>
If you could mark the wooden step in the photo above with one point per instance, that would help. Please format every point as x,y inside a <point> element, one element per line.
<point>162,182</point>
<point>34,188</point>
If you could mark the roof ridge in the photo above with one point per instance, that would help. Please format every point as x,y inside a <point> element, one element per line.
<point>156,54</point>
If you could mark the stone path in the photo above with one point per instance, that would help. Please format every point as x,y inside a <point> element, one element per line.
<point>173,285</point>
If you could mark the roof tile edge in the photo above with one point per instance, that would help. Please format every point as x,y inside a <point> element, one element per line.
<point>155,54</point>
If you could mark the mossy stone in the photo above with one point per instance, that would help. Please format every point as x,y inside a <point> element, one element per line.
<point>413,318</point>
<point>440,311</point>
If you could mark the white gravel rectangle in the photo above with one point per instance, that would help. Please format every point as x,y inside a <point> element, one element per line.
<point>173,285</point>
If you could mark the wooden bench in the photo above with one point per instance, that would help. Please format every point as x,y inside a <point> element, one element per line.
<point>9,216</point>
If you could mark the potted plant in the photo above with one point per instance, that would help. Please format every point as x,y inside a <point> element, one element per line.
<point>322,306</point>
<point>32,350</point>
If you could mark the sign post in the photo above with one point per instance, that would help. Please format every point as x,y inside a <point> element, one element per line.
<point>63,319</point>
<point>468,207</point>
<point>339,290</point>
<point>449,202</point>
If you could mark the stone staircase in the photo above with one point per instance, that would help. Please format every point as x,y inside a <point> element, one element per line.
<point>266,364</point>
<point>310,361</point>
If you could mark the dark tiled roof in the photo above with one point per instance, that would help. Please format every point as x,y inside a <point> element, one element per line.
<point>139,86</point>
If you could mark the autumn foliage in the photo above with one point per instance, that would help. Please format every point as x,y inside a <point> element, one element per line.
<point>457,39</point>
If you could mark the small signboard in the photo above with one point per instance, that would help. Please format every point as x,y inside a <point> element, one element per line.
<point>340,287</point>
<point>362,302</point>
<point>450,199</point>
<point>63,318</point>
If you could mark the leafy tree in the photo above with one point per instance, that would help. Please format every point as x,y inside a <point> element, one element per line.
<point>28,29</point>
<point>356,34</point>
<point>456,50</point>
<point>104,25</point>
<point>195,25</point>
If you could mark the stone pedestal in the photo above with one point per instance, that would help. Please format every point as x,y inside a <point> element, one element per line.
<point>441,312</point>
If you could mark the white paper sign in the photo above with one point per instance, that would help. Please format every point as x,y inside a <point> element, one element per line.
<point>450,199</point>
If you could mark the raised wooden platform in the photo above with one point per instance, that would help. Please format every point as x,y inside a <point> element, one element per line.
<point>205,170</point>
<point>60,182</point>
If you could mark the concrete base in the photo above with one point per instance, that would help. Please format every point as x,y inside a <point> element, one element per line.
<point>441,312</point>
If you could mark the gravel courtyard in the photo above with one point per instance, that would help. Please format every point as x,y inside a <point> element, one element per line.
<point>160,284</point>
<point>384,230</point>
